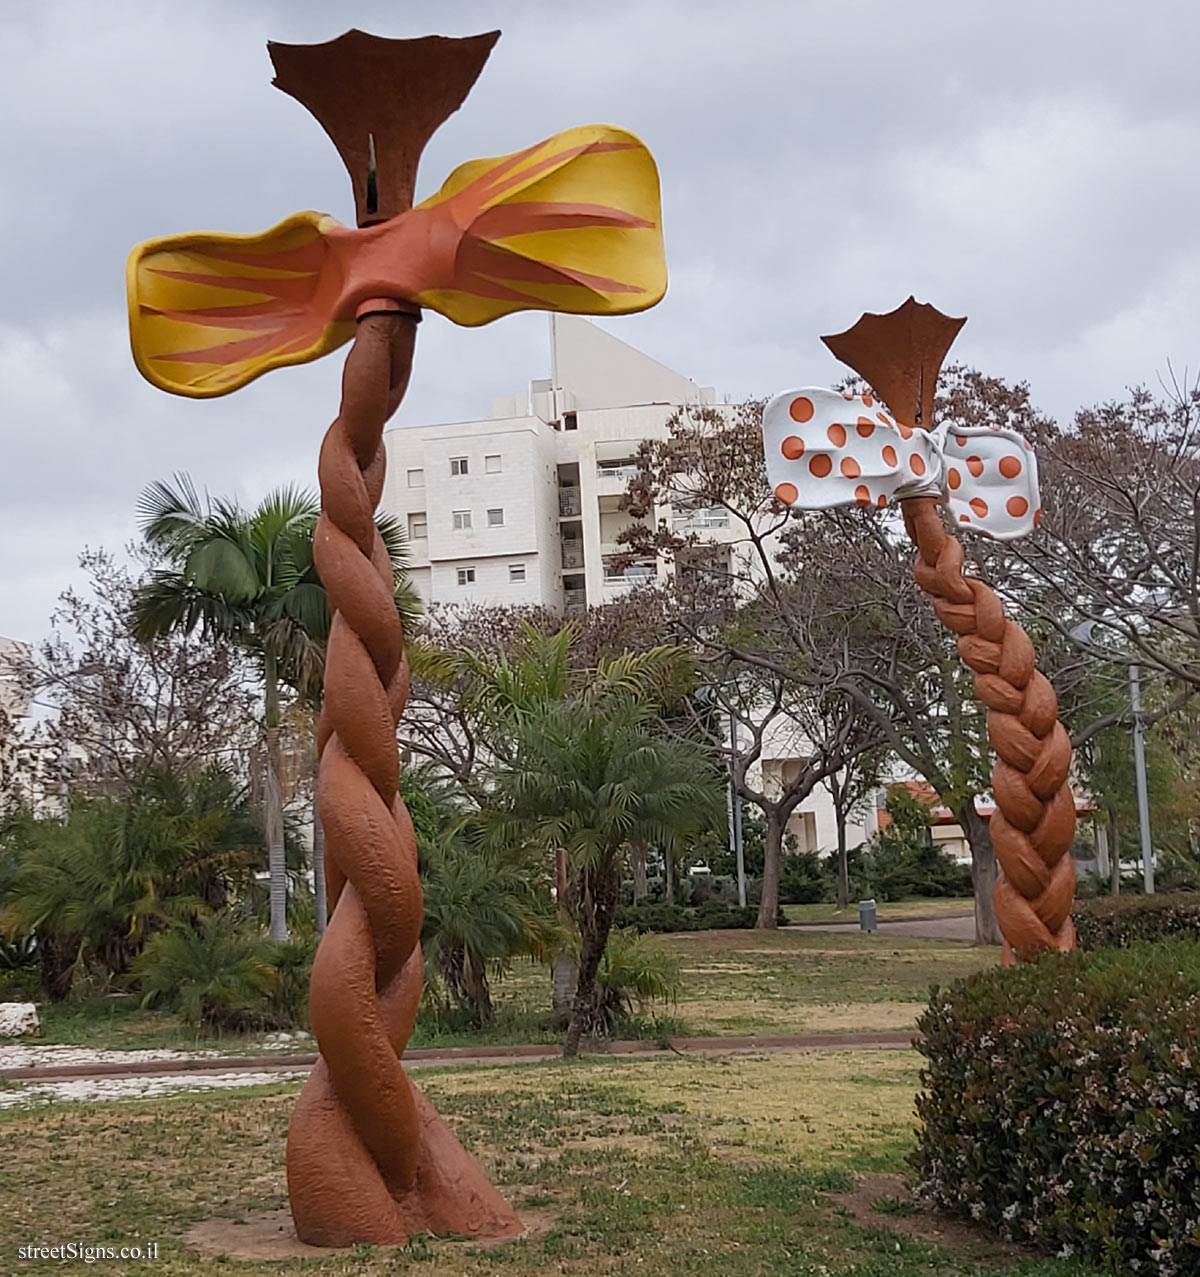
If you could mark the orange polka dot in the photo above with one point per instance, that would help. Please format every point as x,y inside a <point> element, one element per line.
<point>801,409</point>
<point>1010,467</point>
<point>862,494</point>
<point>847,395</point>
<point>850,468</point>
<point>916,464</point>
<point>792,447</point>
<point>882,501</point>
<point>1017,506</point>
<point>837,435</point>
<point>787,493</point>
<point>1037,516</point>
<point>889,455</point>
<point>954,479</point>
<point>820,465</point>
<point>865,427</point>
<point>906,432</point>
<point>963,518</point>
<point>868,401</point>
<point>887,421</point>
<point>979,505</point>
<point>960,440</point>
<point>975,466</point>
<point>1028,445</point>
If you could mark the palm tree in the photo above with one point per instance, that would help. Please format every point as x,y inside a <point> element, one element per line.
<point>592,778</point>
<point>500,691</point>
<point>95,887</point>
<point>246,577</point>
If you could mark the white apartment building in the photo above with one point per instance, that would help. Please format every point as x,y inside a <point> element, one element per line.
<point>523,507</point>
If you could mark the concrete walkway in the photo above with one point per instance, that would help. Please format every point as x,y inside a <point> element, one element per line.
<point>930,928</point>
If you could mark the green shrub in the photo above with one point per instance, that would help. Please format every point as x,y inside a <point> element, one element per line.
<point>1119,921</point>
<point>1061,1104</point>
<point>293,959</point>
<point>218,973</point>
<point>804,878</point>
<point>712,915</point>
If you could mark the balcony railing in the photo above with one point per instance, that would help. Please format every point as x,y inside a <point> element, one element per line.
<point>620,470</point>
<point>575,600</point>
<point>634,574</point>
<point>572,554</point>
<point>569,505</point>
<point>697,520</point>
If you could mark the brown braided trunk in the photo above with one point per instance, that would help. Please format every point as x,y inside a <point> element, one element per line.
<point>1034,823</point>
<point>368,1159</point>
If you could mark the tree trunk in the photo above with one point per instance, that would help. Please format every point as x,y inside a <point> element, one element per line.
<point>56,967</point>
<point>273,806</point>
<point>637,863</point>
<point>598,905</point>
<point>566,969</point>
<point>479,994</point>
<point>320,897</point>
<point>984,872</point>
<point>668,876</point>
<point>768,905</point>
<point>1114,853</point>
<point>839,813</point>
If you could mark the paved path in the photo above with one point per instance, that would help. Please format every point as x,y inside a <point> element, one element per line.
<point>142,1078</point>
<point>931,928</point>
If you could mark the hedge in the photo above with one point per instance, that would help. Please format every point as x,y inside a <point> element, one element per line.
<point>712,915</point>
<point>1061,1105</point>
<point>1117,921</point>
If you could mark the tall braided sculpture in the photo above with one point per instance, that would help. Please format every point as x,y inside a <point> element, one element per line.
<point>570,224</point>
<point>826,449</point>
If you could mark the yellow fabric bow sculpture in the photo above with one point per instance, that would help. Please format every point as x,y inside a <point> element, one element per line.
<point>529,231</point>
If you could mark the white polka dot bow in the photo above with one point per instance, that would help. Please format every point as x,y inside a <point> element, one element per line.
<point>828,449</point>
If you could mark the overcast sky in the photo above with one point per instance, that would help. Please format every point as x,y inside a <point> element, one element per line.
<point>1030,165</point>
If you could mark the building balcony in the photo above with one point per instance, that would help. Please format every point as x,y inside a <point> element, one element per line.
<point>572,554</point>
<point>637,573</point>
<point>575,600</point>
<point>569,503</point>
<point>700,520</point>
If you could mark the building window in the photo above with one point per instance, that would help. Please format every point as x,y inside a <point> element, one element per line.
<point>458,465</point>
<point>416,478</point>
<point>466,576</point>
<point>516,571</point>
<point>495,518</point>
<point>462,519</point>
<point>570,421</point>
<point>491,465</point>
<point>418,526</point>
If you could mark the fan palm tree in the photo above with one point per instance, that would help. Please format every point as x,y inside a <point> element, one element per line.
<point>247,577</point>
<point>593,777</point>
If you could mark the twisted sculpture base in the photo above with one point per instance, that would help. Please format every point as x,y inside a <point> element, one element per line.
<point>368,1159</point>
<point>1034,822</point>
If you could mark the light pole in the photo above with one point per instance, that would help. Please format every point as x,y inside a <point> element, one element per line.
<point>1082,634</point>
<point>735,817</point>
<point>1139,768</point>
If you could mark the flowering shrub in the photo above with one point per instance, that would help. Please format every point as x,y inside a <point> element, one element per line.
<point>1061,1105</point>
<point>1114,922</point>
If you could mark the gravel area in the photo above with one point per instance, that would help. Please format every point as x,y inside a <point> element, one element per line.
<point>35,1094</point>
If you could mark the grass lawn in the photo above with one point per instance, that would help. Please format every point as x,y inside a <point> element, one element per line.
<point>735,982</point>
<point>740,1167</point>
<point>888,911</point>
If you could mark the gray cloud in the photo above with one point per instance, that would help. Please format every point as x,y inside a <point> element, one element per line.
<point>1027,164</point>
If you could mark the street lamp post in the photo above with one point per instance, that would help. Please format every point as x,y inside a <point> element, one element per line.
<point>1139,768</point>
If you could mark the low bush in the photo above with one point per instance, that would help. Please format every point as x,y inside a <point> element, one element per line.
<point>658,915</point>
<point>1114,922</point>
<point>1061,1104</point>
